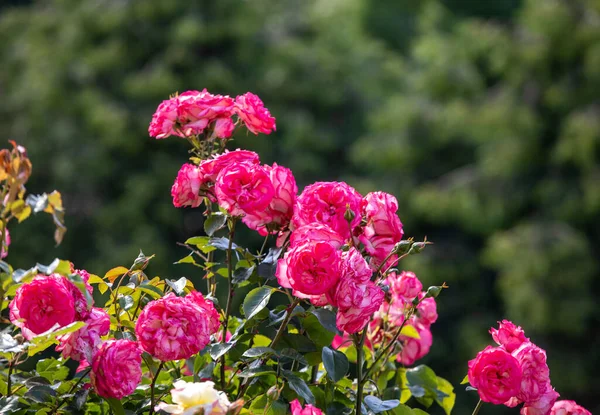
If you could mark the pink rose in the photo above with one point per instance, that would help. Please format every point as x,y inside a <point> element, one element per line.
<point>508,335</point>
<point>279,212</point>
<point>5,245</point>
<point>536,375</point>
<point>311,268</point>
<point>209,308</point>
<point>244,188</point>
<point>80,344</point>
<point>253,113</point>
<point>543,406</point>
<point>212,167</point>
<point>415,349</point>
<point>357,302</point>
<point>173,328</point>
<point>355,266</point>
<point>197,109</point>
<point>568,408</point>
<point>116,368</point>
<point>188,187</point>
<point>297,409</point>
<point>383,229</point>
<point>223,127</point>
<point>427,311</point>
<point>326,203</point>
<point>405,285</point>
<point>316,232</point>
<point>164,120</point>
<point>496,374</point>
<point>41,304</point>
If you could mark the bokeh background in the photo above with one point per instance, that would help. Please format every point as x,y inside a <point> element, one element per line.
<point>482,117</point>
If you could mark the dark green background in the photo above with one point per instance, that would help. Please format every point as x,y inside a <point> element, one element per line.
<point>480,116</point>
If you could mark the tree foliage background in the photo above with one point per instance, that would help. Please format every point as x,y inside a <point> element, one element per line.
<point>481,117</point>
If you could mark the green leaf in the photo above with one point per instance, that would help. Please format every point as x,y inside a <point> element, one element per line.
<point>327,319</point>
<point>153,291</point>
<point>410,331</point>
<point>186,260</point>
<point>40,393</point>
<point>376,405</point>
<point>126,302</point>
<point>218,350</point>
<point>299,386</point>
<point>178,286</point>
<point>242,274</point>
<point>45,340</point>
<point>9,405</point>
<point>221,243</point>
<point>447,402</point>
<point>420,380</point>
<point>257,371</point>
<point>207,371</point>
<point>316,332</point>
<point>256,300</point>
<point>214,222</point>
<point>336,363</point>
<point>402,410</point>
<point>52,369</point>
<point>292,354</point>
<point>258,352</point>
<point>116,406</point>
<point>418,411</point>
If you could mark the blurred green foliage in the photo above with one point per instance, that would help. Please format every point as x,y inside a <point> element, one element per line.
<point>481,117</point>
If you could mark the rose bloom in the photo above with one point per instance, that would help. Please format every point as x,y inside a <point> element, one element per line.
<point>244,188</point>
<point>508,335</point>
<point>326,203</point>
<point>198,397</point>
<point>253,113</point>
<point>297,409</point>
<point>496,374</point>
<point>415,349</point>
<point>536,374</point>
<point>173,328</point>
<point>316,232</point>
<point>568,408</point>
<point>117,368</point>
<point>427,311</point>
<point>212,167</point>
<point>355,266</point>
<point>197,109</point>
<point>187,189</point>
<point>357,302</point>
<point>279,212</point>
<point>40,305</point>
<point>223,127</point>
<point>209,307</point>
<point>383,229</point>
<point>543,406</point>
<point>311,268</point>
<point>81,344</point>
<point>164,120</point>
<point>405,285</point>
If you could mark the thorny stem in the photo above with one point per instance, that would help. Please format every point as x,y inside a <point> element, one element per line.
<point>152,385</point>
<point>478,407</point>
<point>229,296</point>
<point>359,363</point>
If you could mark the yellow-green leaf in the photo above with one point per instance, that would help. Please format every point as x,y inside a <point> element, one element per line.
<point>410,331</point>
<point>114,273</point>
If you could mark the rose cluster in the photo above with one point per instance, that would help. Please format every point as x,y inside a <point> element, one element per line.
<point>403,288</point>
<point>324,263</point>
<point>515,372</point>
<point>263,196</point>
<point>196,112</point>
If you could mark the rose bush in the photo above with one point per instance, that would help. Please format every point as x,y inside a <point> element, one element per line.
<point>329,322</point>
